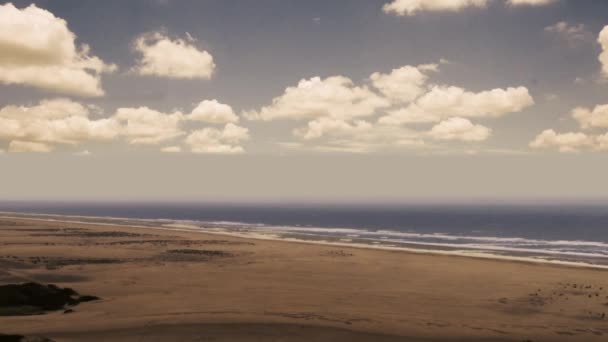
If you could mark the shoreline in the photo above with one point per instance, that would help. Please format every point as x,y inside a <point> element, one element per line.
<point>191,285</point>
<point>484,255</point>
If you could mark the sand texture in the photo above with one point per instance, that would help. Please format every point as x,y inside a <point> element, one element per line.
<point>163,285</point>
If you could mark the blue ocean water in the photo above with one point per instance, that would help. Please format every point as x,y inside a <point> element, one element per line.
<point>559,231</point>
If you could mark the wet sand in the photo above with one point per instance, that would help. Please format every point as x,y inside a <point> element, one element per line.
<point>162,285</point>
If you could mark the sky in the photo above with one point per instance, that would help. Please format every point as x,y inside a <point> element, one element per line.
<point>344,100</point>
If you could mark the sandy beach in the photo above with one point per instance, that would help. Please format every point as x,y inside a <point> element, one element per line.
<point>163,285</point>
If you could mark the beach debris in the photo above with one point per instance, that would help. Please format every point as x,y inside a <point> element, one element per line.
<point>34,299</point>
<point>21,338</point>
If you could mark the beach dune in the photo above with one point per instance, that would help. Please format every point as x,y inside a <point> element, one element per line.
<point>168,285</point>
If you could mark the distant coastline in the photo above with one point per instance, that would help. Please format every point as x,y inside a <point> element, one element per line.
<point>262,232</point>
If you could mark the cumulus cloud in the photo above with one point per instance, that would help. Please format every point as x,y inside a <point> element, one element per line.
<point>335,97</point>
<point>211,111</point>
<point>19,146</point>
<point>143,125</point>
<point>335,135</point>
<point>603,40</point>
<point>530,2</point>
<point>58,121</point>
<point>459,129</point>
<point>38,49</point>
<point>403,84</point>
<point>564,142</point>
<point>450,101</point>
<point>330,126</point>
<point>588,118</point>
<point>41,127</point>
<point>411,7</point>
<point>344,116</point>
<point>178,58</point>
<point>573,34</point>
<point>354,136</point>
<point>220,141</point>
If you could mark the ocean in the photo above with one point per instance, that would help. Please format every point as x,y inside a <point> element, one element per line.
<point>569,233</point>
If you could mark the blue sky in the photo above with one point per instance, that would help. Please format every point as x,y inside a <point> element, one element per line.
<point>497,78</point>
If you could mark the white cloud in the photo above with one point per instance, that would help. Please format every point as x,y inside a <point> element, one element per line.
<point>573,34</point>
<point>173,58</point>
<point>459,129</point>
<point>49,109</point>
<point>403,84</point>
<point>335,135</point>
<point>221,141</point>
<point>587,118</point>
<point>171,149</point>
<point>335,97</point>
<point>564,142</point>
<point>444,102</point>
<point>344,116</point>
<point>603,58</point>
<point>330,126</point>
<point>17,146</point>
<point>147,126</point>
<point>530,2</point>
<point>411,7</point>
<point>57,121</point>
<point>211,111</point>
<point>456,101</point>
<point>411,114</point>
<point>41,127</point>
<point>37,49</point>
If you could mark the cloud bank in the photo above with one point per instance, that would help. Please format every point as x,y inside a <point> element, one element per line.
<point>395,110</point>
<point>448,101</point>
<point>62,122</point>
<point>51,122</point>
